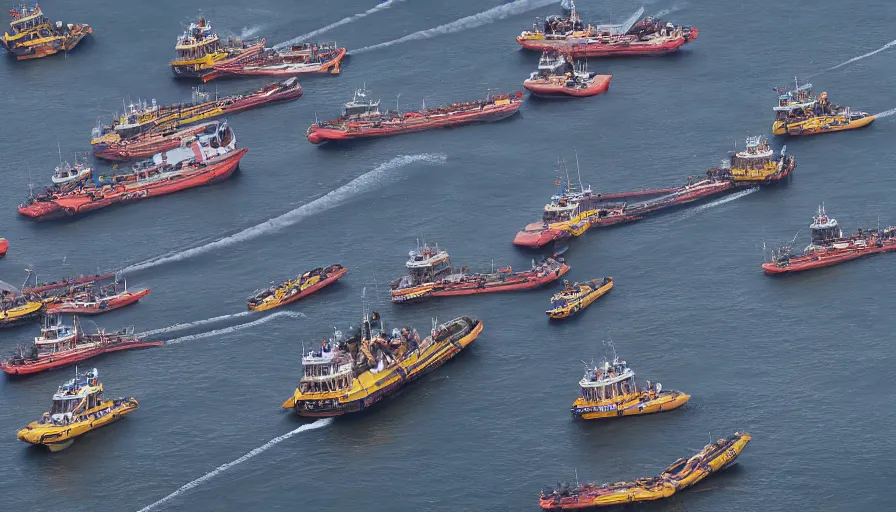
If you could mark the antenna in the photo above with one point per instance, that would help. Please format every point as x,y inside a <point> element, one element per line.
<point>397,108</point>
<point>59,148</point>
<point>577,477</point>
<point>581,188</point>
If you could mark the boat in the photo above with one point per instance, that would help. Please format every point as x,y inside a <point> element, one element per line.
<point>147,144</point>
<point>799,112</point>
<point>68,173</point>
<point>558,76</point>
<point>298,59</point>
<point>361,118</point>
<point>91,301</point>
<point>573,210</point>
<point>346,376</point>
<point>610,391</point>
<point>828,246</point>
<point>576,297</point>
<point>142,124</point>
<point>210,158</point>
<point>19,310</point>
<point>633,37</point>
<point>755,165</point>
<point>60,345</point>
<point>78,408</point>
<point>199,50</point>
<point>294,289</point>
<point>4,245</point>
<point>35,36</point>
<point>39,288</point>
<point>430,274</point>
<point>681,475</point>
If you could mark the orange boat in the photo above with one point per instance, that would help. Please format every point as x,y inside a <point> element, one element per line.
<point>4,245</point>
<point>89,302</point>
<point>211,158</point>
<point>295,60</point>
<point>557,76</point>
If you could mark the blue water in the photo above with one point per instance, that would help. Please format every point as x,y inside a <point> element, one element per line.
<point>802,363</point>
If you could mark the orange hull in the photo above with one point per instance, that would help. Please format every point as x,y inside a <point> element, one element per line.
<point>102,306</point>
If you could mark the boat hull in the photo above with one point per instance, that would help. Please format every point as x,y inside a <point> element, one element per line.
<point>302,294</point>
<point>59,437</point>
<point>21,315</point>
<point>58,360</point>
<point>4,245</point>
<point>804,263</point>
<point>597,292</point>
<point>120,301</point>
<point>665,401</point>
<point>587,48</point>
<point>318,134</point>
<point>546,89</point>
<point>472,287</point>
<point>817,125</point>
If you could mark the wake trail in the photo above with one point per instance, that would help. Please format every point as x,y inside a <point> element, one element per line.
<point>189,325</point>
<point>224,467</point>
<point>355,17</point>
<point>476,20</point>
<point>235,328</point>
<point>886,113</point>
<point>670,10</point>
<point>249,31</point>
<point>332,199</point>
<point>718,202</point>
<point>855,59</point>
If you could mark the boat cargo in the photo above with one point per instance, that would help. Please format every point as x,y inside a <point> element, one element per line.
<point>34,35</point>
<point>576,297</point>
<point>430,274</point>
<point>361,117</point>
<point>294,289</point>
<point>294,60</point>
<point>349,375</point>
<point>199,50</point>
<point>682,474</point>
<point>78,408</point>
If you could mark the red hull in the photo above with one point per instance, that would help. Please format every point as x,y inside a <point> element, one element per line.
<point>75,356</point>
<point>533,236</point>
<point>4,245</point>
<point>582,48</point>
<point>546,89</point>
<point>120,301</point>
<point>804,263</point>
<point>67,282</point>
<point>523,284</point>
<point>279,69</point>
<point>81,203</point>
<point>318,134</point>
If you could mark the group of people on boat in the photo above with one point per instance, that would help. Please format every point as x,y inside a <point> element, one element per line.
<point>384,350</point>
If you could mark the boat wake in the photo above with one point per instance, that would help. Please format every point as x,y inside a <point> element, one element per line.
<point>234,328</point>
<point>224,467</point>
<point>885,113</point>
<point>727,199</point>
<point>190,325</point>
<point>333,198</point>
<point>855,59</point>
<point>249,31</point>
<point>670,10</point>
<point>483,18</point>
<point>305,37</point>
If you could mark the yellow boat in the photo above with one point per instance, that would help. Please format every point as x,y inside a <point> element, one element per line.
<point>198,50</point>
<point>78,408</point>
<point>757,164</point>
<point>294,289</point>
<point>610,391</point>
<point>682,474</point>
<point>34,36</point>
<point>577,297</point>
<point>350,375</point>
<point>799,112</point>
<point>20,311</point>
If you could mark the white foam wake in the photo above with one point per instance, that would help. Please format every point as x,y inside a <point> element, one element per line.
<point>670,10</point>
<point>490,16</point>
<point>886,113</point>
<point>238,327</point>
<point>860,57</point>
<point>249,31</point>
<point>333,198</point>
<point>717,202</point>
<point>190,325</point>
<point>305,37</point>
<point>224,467</point>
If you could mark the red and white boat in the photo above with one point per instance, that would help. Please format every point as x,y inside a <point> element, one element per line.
<point>210,158</point>
<point>60,345</point>
<point>89,302</point>
<point>298,59</point>
<point>558,76</point>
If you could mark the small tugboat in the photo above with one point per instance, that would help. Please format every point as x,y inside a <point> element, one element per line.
<point>19,310</point>
<point>142,124</point>
<point>430,274</point>
<point>4,245</point>
<point>93,302</point>
<point>293,61</point>
<point>577,297</point>
<point>610,391</point>
<point>829,247</point>
<point>199,50</point>
<point>361,118</point>
<point>799,112</point>
<point>34,36</point>
<point>78,408</point>
<point>557,76</point>
<point>60,345</point>
<point>682,474</point>
<point>350,375</point>
<point>756,165</point>
<point>290,291</point>
<point>67,173</point>
<point>211,158</point>
<point>633,37</point>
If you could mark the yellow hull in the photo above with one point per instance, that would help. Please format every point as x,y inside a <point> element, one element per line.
<point>575,306</point>
<point>60,437</point>
<point>20,314</point>
<point>821,124</point>
<point>632,405</point>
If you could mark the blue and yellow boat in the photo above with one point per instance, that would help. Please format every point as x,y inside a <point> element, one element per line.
<point>799,112</point>
<point>349,375</point>
<point>577,297</point>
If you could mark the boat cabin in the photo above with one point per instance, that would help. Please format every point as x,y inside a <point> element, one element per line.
<point>757,155</point>
<point>197,41</point>
<point>824,230</point>
<point>426,265</point>
<point>25,19</point>
<point>608,382</point>
<point>568,197</point>
<point>328,369</point>
<point>360,106</point>
<point>75,397</point>
<point>56,337</point>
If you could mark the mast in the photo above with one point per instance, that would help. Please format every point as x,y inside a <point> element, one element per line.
<point>581,188</point>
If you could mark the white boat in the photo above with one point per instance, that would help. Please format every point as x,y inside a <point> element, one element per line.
<point>67,173</point>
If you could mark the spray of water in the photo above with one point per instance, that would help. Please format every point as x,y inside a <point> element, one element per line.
<point>670,10</point>
<point>224,467</point>
<point>885,113</point>
<point>190,325</point>
<point>305,37</point>
<point>333,198</point>
<point>855,59</point>
<point>249,31</point>
<point>726,199</point>
<point>235,328</point>
<point>483,18</point>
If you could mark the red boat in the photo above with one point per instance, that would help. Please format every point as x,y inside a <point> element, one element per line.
<point>87,302</point>
<point>829,247</point>
<point>60,345</point>
<point>430,274</point>
<point>361,118</point>
<point>293,61</point>
<point>211,158</point>
<point>40,288</point>
<point>149,143</point>
<point>633,37</point>
<point>558,77</point>
<point>4,245</point>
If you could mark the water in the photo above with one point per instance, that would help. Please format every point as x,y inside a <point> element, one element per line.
<point>802,363</point>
